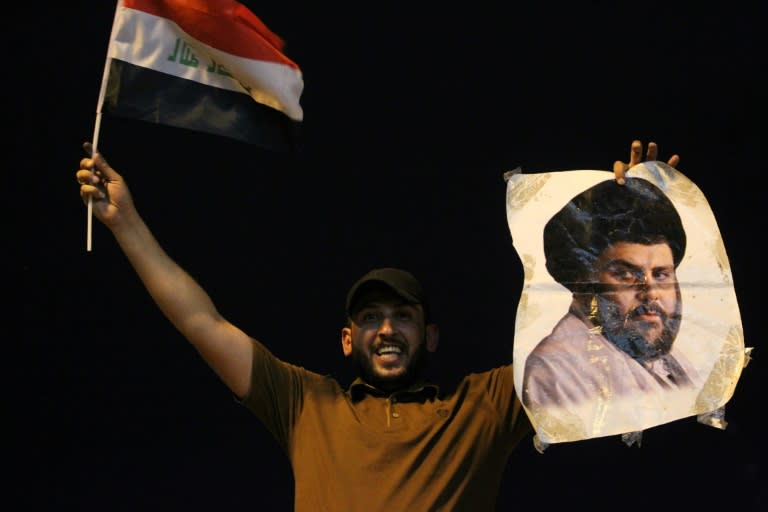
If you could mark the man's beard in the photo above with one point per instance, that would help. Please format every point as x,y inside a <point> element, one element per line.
<point>629,334</point>
<point>413,372</point>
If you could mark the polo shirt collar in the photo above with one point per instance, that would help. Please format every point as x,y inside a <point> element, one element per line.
<point>359,389</point>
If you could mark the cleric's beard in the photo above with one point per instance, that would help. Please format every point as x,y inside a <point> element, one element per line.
<point>363,365</point>
<point>628,334</point>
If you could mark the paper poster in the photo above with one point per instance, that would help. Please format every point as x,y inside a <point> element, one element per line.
<point>628,316</point>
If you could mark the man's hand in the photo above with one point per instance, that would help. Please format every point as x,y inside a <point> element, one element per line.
<point>636,156</point>
<point>100,183</point>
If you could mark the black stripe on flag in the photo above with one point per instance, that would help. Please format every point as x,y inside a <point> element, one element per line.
<point>148,95</point>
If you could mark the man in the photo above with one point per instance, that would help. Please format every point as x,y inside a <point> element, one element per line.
<point>616,248</point>
<point>391,441</point>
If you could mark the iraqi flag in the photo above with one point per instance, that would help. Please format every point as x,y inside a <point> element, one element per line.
<point>205,65</point>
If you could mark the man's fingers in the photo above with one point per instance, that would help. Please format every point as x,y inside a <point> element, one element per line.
<point>89,185</point>
<point>86,177</point>
<point>653,152</point>
<point>100,164</point>
<point>91,191</point>
<point>635,153</point>
<point>619,170</point>
<point>636,157</point>
<point>93,174</point>
<point>673,161</point>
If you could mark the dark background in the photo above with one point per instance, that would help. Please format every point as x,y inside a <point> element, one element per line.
<point>412,115</point>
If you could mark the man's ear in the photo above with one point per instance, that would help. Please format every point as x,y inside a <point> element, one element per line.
<point>433,337</point>
<point>346,341</point>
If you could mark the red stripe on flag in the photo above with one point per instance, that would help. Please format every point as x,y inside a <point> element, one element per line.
<point>226,25</point>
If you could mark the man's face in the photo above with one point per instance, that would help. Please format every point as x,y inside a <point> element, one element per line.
<point>388,341</point>
<point>639,298</point>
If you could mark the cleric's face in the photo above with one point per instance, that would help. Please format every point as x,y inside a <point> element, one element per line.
<point>639,299</point>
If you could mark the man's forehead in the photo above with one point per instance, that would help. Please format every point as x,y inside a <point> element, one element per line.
<point>641,255</point>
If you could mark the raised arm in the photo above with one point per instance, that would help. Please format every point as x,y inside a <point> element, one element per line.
<point>182,300</point>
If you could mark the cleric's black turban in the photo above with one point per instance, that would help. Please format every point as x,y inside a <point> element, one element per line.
<point>607,213</point>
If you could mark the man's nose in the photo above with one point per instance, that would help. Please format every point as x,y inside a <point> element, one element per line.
<point>647,286</point>
<point>386,326</point>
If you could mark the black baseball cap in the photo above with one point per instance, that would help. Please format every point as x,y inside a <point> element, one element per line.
<point>401,282</point>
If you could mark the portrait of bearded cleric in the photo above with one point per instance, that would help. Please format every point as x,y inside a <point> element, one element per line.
<point>616,248</point>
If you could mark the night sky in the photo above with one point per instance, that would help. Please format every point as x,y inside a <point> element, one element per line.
<point>412,116</point>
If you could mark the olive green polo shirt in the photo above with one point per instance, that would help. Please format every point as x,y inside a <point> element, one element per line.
<point>360,449</point>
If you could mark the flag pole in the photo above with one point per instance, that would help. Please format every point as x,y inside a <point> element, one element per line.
<point>89,227</point>
<point>97,125</point>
